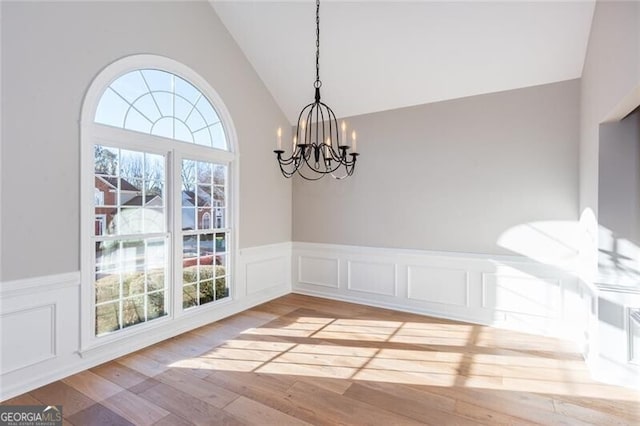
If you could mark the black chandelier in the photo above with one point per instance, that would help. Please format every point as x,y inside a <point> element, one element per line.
<point>319,147</point>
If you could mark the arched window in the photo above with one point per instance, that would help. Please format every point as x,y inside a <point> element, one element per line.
<point>156,145</point>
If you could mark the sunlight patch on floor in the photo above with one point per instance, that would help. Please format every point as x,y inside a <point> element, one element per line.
<point>373,351</point>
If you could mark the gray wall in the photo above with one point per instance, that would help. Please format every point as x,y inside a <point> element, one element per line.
<point>610,75</point>
<point>619,178</point>
<point>619,195</point>
<point>451,176</point>
<point>51,51</point>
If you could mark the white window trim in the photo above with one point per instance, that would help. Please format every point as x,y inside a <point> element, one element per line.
<point>92,133</point>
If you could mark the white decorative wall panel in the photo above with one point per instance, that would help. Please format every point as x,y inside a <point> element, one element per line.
<point>370,277</point>
<point>438,285</point>
<point>265,274</point>
<point>28,337</point>
<point>321,271</point>
<point>505,291</point>
<point>521,294</point>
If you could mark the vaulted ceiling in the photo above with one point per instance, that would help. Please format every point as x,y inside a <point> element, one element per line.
<point>380,55</point>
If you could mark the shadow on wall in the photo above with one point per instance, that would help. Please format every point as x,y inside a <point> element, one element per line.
<point>619,201</point>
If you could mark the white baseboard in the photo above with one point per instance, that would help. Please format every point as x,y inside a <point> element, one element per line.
<point>41,320</point>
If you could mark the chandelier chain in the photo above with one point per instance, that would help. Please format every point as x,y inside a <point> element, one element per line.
<point>317,43</point>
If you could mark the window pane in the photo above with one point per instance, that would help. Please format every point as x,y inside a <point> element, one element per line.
<point>165,103</point>
<point>133,283</point>
<point>105,161</point>
<point>135,121</point>
<point>158,80</point>
<point>222,289</point>
<point>154,167</point>
<point>133,311</point>
<point>154,220</point>
<point>205,174</point>
<point>205,247</point>
<point>218,137</point>
<point>206,292</point>
<point>163,127</point>
<point>127,272</point>
<point>204,195</point>
<point>205,220</point>
<point>182,108</point>
<point>221,264</point>
<point>195,121</point>
<point>147,106</point>
<point>202,137</point>
<point>107,287</point>
<point>188,218</point>
<point>156,279</point>
<point>219,174</point>
<point>221,243</point>
<point>131,167</point>
<point>189,296</point>
<point>130,86</point>
<point>182,132</point>
<point>219,196</point>
<point>107,318</point>
<point>155,305</point>
<point>207,111</point>
<point>130,220</point>
<point>186,90</point>
<point>159,103</point>
<point>111,109</point>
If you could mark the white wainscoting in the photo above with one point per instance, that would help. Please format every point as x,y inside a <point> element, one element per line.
<point>505,291</point>
<point>40,320</point>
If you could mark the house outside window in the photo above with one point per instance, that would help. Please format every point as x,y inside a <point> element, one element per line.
<point>151,123</point>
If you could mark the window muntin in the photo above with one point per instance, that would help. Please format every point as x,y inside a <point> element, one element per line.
<point>205,262</point>
<point>163,104</point>
<point>137,259</point>
<point>130,243</point>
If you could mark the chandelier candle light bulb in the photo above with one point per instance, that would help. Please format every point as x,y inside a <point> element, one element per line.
<point>353,142</point>
<point>279,142</point>
<point>344,133</point>
<point>313,154</point>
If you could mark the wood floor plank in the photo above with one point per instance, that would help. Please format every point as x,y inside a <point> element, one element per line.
<point>60,393</point>
<point>98,414</point>
<point>204,390</point>
<point>92,385</point>
<point>303,359</point>
<point>137,410</point>
<point>24,399</point>
<point>142,364</point>
<point>249,410</point>
<point>119,374</point>
<point>172,420</point>
<point>427,409</point>
<point>320,405</point>
<point>186,406</point>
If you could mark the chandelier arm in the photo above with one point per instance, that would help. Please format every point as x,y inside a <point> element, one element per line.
<point>335,153</point>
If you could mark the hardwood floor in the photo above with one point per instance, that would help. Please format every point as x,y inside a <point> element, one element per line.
<point>304,360</point>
